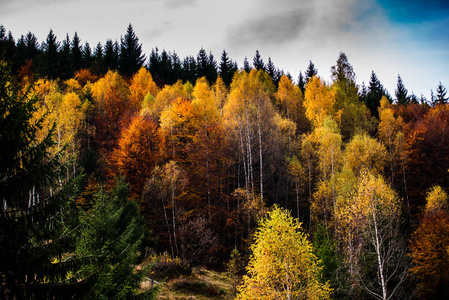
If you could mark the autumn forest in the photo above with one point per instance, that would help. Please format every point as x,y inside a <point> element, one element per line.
<point>116,166</point>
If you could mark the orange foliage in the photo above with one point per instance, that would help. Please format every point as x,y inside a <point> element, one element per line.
<point>84,76</point>
<point>430,255</point>
<point>138,152</point>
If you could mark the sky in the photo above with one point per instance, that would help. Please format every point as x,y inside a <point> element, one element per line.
<point>409,38</point>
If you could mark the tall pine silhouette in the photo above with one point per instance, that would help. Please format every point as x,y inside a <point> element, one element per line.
<point>131,58</point>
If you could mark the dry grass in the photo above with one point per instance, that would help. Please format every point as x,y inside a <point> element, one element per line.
<point>202,284</point>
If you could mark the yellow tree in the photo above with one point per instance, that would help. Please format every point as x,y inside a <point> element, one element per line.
<point>142,84</point>
<point>319,101</point>
<point>282,264</point>
<point>329,142</point>
<point>290,101</point>
<point>369,221</point>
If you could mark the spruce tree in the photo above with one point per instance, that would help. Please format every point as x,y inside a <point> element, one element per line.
<point>441,94</point>
<point>50,57</point>
<point>202,62</point>
<point>374,94</point>
<point>98,63</point>
<point>110,58</point>
<point>34,215</point>
<point>77,56</point>
<point>301,82</point>
<point>311,71</point>
<point>258,62</point>
<point>401,93</point>
<point>87,56</point>
<point>131,58</point>
<point>271,69</point>
<point>32,46</point>
<point>64,60</point>
<point>246,66</point>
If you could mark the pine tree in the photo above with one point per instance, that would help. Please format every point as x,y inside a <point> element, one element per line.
<point>226,68</point>
<point>301,82</point>
<point>131,58</point>
<point>50,57</point>
<point>311,71</point>
<point>77,57</point>
<point>87,56</point>
<point>33,213</point>
<point>373,95</point>
<point>98,61</point>
<point>32,46</point>
<point>110,55</point>
<point>258,62</point>
<point>401,93</point>
<point>202,62</point>
<point>271,69</point>
<point>441,94</point>
<point>246,66</point>
<point>64,60</point>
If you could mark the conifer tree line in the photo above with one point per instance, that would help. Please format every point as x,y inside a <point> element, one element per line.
<point>107,153</point>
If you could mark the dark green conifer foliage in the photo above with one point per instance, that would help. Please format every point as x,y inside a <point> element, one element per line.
<point>87,56</point>
<point>111,235</point>
<point>202,62</point>
<point>301,82</point>
<point>98,62</point>
<point>50,57</point>
<point>441,94</point>
<point>176,68</point>
<point>246,66</point>
<point>65,60</point>
<point>131,58</point>
<point>32,46</point>
<point>373,95</point>
<point>189,69</point>
<point>33,212</point>
<point>271,69</point>
<point>401,93</point>
<point>76,52</point>
<point>7,45</point>
<point>258,62</point>
<point>227,69</point>
<point>110,55</point>
<point>311,71</point>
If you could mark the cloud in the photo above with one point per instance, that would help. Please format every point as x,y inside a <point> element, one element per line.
<point>274,29</point>
<point>177,4</point>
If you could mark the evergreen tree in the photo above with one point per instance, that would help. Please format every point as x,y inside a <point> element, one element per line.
<point>258,62</point>
<point>441,94</point>
<point>189,69</point>
<point>311,71</point>
<point>401,93</point>
<point>98,63</point>
<point>111,234</point>
<point>301,82</point>
<point>176,68</point>
<point>77,56</point>
<point>50,57</point>
<point>373,95</point>
<point>110,58</point>
<point>131,58</point>
<point>202,62</point>
<point>226,68</point>
<point>87,56</point>
<point>32,46</point>
<point>211,72</point>
<point>7,45</point>
<point>33,213</point>
<point>246,66</point>
<point>271,69</point>
<point>64,60</point>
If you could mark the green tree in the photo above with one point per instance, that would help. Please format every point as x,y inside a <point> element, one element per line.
<point>50,57</point>
<point>227,68</point>
<point>111,234</point>
<point>131,58</point>
<point>401,93</point>
<point>76,53</point>
<point>441,94</point>
<point>34,219</point>
<point>311,71</point>
<point>258,62</point>
<point>282,264</point>
<point>111,55</point>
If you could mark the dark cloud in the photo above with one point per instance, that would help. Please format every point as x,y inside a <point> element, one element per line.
<point>159,31</point>
<point>272,29</point>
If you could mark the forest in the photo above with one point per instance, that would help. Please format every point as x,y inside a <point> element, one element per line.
<point>116,168</point>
